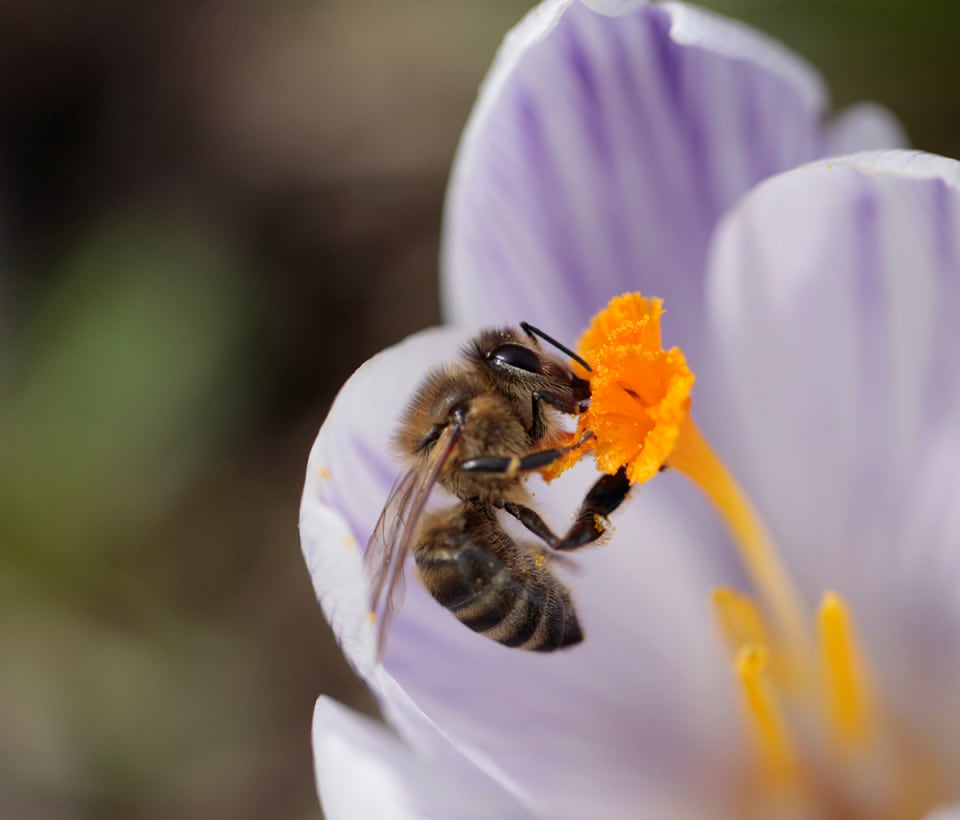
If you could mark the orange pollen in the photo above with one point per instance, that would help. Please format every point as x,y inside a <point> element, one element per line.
<point>639,392</point>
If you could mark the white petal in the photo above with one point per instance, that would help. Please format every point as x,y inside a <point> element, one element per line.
<point>363,770</point>
<point>614,8</point>
<point>360,768</point>
<point>625,717</point>
<point>601,153</point>
<point>834,293</point>
<point>907,164</point>
<point>864,127</point>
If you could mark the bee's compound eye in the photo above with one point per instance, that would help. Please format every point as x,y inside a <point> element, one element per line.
<point>515,356</point>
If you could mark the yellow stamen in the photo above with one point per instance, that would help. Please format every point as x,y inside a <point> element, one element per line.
<point>741,622</point>
<point>738,618</point>
<point>844,677</point>
<point>638,420</point>
<point>777,754</point>
<point>696,460</point>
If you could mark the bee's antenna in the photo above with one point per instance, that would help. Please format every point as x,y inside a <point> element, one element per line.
<point>532,331</point>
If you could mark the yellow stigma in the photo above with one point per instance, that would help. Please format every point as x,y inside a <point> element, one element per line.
<point>639,419</point>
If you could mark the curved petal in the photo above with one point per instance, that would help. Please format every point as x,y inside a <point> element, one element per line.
<point>350,472</point>
<point>614,8</point>
<point>834,292</point>
<point>624,717</point>
<point>364,771</point>
<point>601,153</point>
<point>864,127</point>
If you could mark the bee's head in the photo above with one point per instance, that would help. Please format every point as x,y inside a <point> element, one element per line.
<point>519,366</point>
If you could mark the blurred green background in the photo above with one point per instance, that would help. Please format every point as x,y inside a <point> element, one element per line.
<point>211,212</point>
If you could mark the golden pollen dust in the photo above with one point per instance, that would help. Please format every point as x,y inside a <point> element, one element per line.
<point>793,667</point>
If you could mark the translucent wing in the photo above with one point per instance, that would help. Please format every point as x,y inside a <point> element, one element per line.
<point>393,535</point>
<point>379,558</point>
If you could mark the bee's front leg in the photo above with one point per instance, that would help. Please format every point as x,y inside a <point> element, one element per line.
<point>512,465</point>
<point>571,405</point>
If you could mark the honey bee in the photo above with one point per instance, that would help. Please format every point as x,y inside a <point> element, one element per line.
<point>475,429</point>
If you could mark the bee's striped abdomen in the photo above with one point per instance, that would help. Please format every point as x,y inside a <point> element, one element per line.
<point>492,584</point>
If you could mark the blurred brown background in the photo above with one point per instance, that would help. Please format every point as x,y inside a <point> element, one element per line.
<point>211,212</point>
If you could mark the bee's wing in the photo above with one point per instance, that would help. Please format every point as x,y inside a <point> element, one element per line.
<point>382,547</point>
<point>393,535</point>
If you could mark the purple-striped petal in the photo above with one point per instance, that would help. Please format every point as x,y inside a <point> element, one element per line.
<point>602,152</point>
<point>638,697</point>
<point>363,770</point>
<point>834,292</point>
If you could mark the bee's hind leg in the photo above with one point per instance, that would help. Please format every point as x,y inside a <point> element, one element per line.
<point>604,497</point>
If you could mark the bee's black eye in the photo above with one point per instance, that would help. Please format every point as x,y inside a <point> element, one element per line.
<point>515,356</point>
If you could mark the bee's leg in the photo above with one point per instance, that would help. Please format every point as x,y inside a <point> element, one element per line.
<point>511,465</point>
<point>532,521</point>
<point>562,559</point>
<point>604,497</point>
<point>572,407</point>
<point>607,493</point>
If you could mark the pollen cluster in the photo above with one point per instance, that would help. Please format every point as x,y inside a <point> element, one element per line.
<point>639,392</point>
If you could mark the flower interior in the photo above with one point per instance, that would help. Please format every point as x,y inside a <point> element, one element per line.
<point>823,744</point>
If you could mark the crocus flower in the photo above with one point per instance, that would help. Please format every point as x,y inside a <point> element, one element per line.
<point>619,146</point>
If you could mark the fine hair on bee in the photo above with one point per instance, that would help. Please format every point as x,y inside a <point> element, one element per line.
<point>476,428</point>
